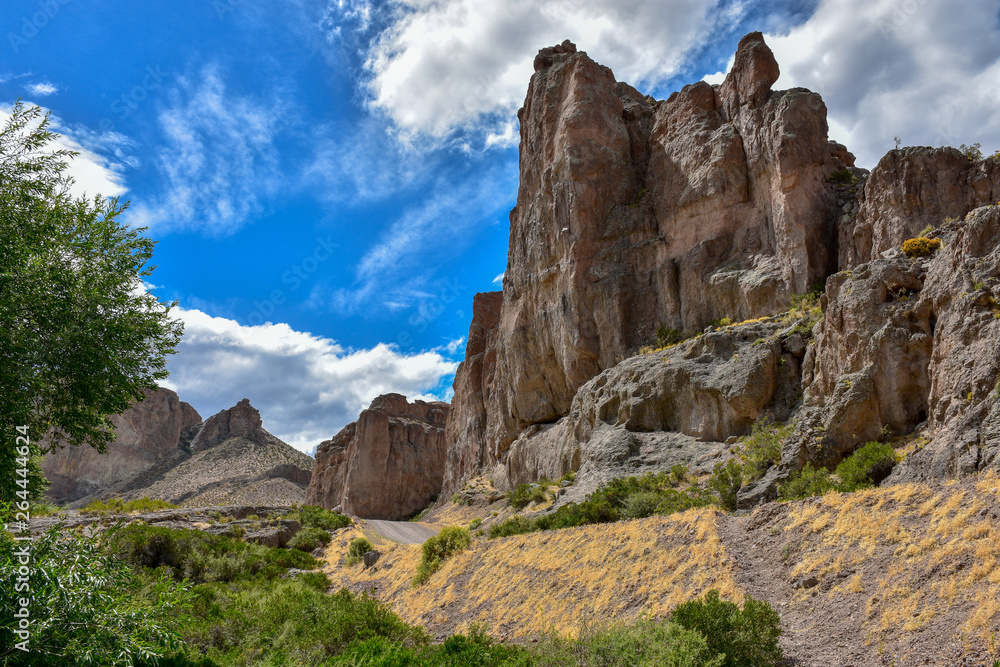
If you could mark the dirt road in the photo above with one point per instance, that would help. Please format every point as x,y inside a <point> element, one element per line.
<point>404,532</point>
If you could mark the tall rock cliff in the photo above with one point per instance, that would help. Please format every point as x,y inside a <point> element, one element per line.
<point>386,465</point>
<point>150,431</point>
<point>632,213</point>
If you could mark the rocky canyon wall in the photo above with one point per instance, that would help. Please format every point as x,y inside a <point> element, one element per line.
<point>386,465</point>
<point>148,432</point>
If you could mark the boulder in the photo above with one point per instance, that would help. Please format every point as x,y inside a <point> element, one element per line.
<point>387,465</point>
<point>676,406</point>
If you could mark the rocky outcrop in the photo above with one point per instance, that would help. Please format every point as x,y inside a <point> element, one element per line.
<point>232,460</point>
<point>632,213</point>
<point>386,465</point>
<point>149,432</point>
<point>910,190</point>
<point>240,421</point>
<point>163,450</point>
<point>908,343</point>
<point>679,405</point>
<point>465,432</point>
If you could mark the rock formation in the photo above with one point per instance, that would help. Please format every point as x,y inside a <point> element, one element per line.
<point>723,201</point>
<point>231,460</point>
<point>164,450</point>
<point>632,213</point>
<point>465,433</point>
<point>386,465</point>
<point>152,430</point>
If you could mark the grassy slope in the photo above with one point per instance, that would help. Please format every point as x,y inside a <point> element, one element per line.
<point>904,572</point>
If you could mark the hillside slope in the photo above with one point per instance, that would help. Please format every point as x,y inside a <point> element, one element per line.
<point>900,575</point>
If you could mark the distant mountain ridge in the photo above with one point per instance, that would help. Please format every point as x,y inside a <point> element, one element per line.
<point>164,450</point>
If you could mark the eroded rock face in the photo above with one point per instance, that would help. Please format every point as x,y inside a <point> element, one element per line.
<point>387,465</point>
<point>240,421</point>
<point>906,343</point>
<point>465,433</point>
<point>910,190</point>
<point>676,406</point>
<point>633,212</point>
<point>146,433</point>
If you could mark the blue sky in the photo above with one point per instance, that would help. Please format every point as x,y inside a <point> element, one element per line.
<point>329,182</point>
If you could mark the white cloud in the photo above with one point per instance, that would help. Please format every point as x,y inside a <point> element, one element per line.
<point>920,70</point>
<point>92,171</point>
<point>42,89</point>
<point>446,65</point>
<point>499,279</point>
<point>218,158</point>
<point>306,387</point>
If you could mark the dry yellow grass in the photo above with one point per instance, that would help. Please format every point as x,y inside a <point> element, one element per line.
<point>529,584</point>
<point>941,554</point>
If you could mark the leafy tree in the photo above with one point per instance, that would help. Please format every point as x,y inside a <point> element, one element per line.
<point>79,336</point>
<point>85,605</point>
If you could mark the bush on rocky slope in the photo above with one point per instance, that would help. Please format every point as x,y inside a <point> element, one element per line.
<point>437,549</point>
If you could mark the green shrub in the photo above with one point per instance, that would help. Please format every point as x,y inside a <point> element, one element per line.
<point>313,516</point>
<point>667,337</point>
<point>525,494</point>
<point>118,506</point>
<point>866,467</point>
<point>747,637</point>
<point>437,549</point>
<point>357,549</point>
<point>476,523</point>
<point>640,504</point>
<point>515,525</point>
<point>202,557</point>
<point>842,177</point>
<point>308,539</point>
<point>920,247</point>
<point>679,473</point>
<point>973,152</point>
<point>726,481</point>
<point>86,605</point>
<point>646,643</point>
<point>808,482</point>
<point>762,448</point>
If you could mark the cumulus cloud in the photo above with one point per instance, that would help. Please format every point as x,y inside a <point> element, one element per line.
<point>218,160</point>
<point>919,70</point>
<point>42,89</point>
<point>306,387</point>
<point>92,170</point>
<point>447,65</point>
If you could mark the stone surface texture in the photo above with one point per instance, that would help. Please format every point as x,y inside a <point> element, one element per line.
<point>387,465</point>
<point>905,344</point>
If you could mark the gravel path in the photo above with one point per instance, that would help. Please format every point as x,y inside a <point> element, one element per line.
<point>404,532</point>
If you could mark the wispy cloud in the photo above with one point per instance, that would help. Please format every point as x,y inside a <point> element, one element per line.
<point>217,158</point>
<point>306,387</point>
<point>499,279</point>
<point>394,272</point>
<point>41,89</point>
